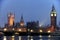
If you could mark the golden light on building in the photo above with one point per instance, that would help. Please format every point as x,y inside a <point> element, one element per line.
<point>11,22</point>
<point>5,29</point>
<point>16,33</point>
<point>22,24</point>
<point>49,31</point>
<point>41,30</point>
<point>19,30</point>
<point>21,21</point>
<point>31,30</point>
<point>10,19</point>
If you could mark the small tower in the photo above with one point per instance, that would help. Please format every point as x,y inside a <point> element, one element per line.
<point>53,16</point>
<point>21,21</point>
<point>11,19</point>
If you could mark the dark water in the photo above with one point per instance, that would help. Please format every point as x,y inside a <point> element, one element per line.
<point>30,37</point>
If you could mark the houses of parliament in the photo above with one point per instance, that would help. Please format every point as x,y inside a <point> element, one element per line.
<point>11,22</point>
<point>19,28</point>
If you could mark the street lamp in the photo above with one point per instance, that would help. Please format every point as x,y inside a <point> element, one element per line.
<point>19,29</point>
<point>31,30</point>
<point>41,30</point>
<point>13,36</point>
<point>28,29</point>
<point>5,29</point>
<point>48,31</point>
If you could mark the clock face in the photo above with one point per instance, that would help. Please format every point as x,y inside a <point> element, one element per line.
<point>54,14</point>
<point>51,14</point>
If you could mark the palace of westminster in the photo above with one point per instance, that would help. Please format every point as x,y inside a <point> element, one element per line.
<point>20,28</point>
<point>30,26</point>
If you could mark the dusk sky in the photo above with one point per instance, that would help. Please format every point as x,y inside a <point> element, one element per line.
<point>32,10</point>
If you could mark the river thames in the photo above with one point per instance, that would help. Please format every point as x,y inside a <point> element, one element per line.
<point>49,37</point>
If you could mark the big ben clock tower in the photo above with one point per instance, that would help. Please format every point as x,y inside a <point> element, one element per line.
<point>53,16</point>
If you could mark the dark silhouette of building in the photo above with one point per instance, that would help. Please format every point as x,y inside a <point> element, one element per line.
<point>53,17</point>
<point>32,24</point>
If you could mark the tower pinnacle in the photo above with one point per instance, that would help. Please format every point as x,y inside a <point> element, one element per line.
<point>53,8</point>
<point>21,21</point>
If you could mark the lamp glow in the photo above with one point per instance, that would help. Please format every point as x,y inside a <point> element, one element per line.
<point>19,29</point>
<point>41,31</point>
<point>49,31</point>
<point>31,30</point>
<point>5,29</point>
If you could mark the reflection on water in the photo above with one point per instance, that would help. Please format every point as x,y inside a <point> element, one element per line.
<point>49,39</point>
<point>40,37</point>
<point>31,37</point>
<point>13,37</point>
<point>4,38</point>
<point>19,37</point>
<point>49,36</point>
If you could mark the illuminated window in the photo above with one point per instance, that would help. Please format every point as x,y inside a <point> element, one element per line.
<point>51,14</point>
<point>22,24</point>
